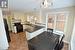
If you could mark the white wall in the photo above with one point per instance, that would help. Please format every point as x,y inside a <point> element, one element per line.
<point>73,38</point>
<point>3,39</point>
<point>69,28</point>
<point>19,15</point>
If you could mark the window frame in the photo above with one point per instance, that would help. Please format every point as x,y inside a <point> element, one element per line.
<point>66,14</point>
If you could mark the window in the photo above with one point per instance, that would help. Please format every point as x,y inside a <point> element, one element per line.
<point>56,21</point>
<point>51,21</point>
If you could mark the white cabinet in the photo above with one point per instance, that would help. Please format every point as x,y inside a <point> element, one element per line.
<point>33,34</point>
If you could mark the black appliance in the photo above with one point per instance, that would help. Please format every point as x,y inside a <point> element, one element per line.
<point>19,27</point>
<point>7,30</point>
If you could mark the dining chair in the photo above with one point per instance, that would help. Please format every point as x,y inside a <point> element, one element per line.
<point>60,44</point>
<point>50,30</point>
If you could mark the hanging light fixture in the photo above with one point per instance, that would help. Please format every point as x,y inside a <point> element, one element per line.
<point>46,3</point>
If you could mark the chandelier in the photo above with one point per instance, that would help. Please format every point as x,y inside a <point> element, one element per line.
<point>46,3</point>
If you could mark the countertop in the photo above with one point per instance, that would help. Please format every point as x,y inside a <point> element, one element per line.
<point>33,28</point>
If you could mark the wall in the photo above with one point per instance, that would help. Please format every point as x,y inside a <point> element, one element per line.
<point>73,37</point>
<point>72,43</point>
<point>69,28</point>
<point>36,14</point>
<point>23,15</point>
<point>3,39</point>
<point>69,24</point>
<point>19,15</point>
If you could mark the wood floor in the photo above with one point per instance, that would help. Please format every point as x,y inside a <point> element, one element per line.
<point>66,46</point>
<point>19,42</point>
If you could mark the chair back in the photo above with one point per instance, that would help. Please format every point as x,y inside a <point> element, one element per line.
<point>59,33</point>
<point>50,30</point>
<point>59,45</point>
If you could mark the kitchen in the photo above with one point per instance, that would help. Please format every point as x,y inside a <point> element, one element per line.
<point>28,21</point>
<point>30,27</point>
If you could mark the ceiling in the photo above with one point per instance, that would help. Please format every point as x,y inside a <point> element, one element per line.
<point>23,5</point>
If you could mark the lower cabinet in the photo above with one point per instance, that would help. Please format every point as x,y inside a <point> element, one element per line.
<point>34,34</point>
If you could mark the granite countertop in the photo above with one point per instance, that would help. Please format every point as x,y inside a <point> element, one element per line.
<point>33,28</point>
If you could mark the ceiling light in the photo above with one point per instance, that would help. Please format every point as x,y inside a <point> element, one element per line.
<point>46,3</point>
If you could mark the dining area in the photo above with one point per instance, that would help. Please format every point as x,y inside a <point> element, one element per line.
<point>47,40</point>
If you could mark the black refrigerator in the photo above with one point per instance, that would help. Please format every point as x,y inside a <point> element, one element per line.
<point>7,30</point>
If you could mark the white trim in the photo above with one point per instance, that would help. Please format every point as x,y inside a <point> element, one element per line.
<point>67,14</point>
<point>46,21</point>
<point>55,22</point>
<point>69,46</point>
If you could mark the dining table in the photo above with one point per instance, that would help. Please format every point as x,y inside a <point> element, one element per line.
<point>44,41</point>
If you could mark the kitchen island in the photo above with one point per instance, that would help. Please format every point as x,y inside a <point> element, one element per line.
<point>33,30</point>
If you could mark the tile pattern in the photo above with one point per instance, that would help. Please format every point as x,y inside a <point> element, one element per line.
<point>19,42</point>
